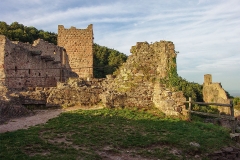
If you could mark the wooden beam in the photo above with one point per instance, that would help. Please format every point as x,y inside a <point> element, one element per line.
<point>214,115</point>
<point>189,109</point>
<point>203,103</point>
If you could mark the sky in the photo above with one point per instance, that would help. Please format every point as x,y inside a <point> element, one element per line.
<point>206,33</point>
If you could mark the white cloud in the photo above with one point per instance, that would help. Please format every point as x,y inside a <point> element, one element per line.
<point>205,32</point>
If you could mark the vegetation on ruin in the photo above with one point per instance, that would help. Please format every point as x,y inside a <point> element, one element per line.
<point>177,83</point>
<point>87,134</point>
<point>236,103</point>
<point>106,60</point>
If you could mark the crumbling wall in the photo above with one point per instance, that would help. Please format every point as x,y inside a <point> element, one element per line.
<point>79,47</point>
<point>214,93</point>
<point>46,49</point>
<point>43,64</point>
<point>137,82</point>
<point>25,65</point>
<point>77,91</point>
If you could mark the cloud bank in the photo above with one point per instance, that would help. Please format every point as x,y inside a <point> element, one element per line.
<point>205,32</point>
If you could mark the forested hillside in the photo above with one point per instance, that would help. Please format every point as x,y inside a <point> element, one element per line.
<point>19,32</point>
<point>106,60</point>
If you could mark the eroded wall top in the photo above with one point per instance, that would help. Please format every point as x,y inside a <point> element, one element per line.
<point>137,81</point>
<point>150,60</point>
<point>26,65</point>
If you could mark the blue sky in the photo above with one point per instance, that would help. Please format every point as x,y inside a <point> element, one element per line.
<point>205,32</point>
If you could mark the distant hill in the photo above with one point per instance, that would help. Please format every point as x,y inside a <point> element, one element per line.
<point>106,60</point>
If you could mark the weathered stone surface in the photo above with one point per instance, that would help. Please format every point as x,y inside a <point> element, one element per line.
<point>76,92</point>
<point>79,48</point>
<point>42,64</point>
<point>213,92</point>
<point>137,82</point>
<point>33,97</point>
<point>20,68</point>
<point>194,144</point>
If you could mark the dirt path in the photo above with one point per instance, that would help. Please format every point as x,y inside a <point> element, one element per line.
<point>40,117</point>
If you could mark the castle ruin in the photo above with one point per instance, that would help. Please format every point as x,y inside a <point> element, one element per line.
<point>213,92</point>
<point>43,68</point>
<point>43,64</point>
<point>63,75</point>
<point>79,47</point>
<point>30,65</point>
<point>136,83</point>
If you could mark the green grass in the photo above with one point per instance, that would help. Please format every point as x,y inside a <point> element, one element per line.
<point>88,134</point>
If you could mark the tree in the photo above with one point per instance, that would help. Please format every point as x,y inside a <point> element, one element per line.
<point>106,60</point>
<point>3,28</point>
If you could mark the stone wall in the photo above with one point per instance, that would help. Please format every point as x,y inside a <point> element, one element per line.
<point>77,91</point>
<point>214,93</point>
<point>31,65</point>
<point>79,47</point>
<point>137,82</point>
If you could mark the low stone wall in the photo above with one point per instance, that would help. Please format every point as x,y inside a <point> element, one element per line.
<point>76,92</point>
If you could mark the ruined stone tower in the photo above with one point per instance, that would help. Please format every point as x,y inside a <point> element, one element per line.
<point>79,47</point>
<point>213,92</point>
<point>207,79</point>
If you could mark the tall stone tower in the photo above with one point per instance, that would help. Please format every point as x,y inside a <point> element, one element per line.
<point>207,79</point>
<point>79,47</point>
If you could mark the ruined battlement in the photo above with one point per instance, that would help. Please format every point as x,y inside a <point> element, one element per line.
<point>45,47</point>
<point>79,47</point>
<point>76,31</point>
<point>26,65</point>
